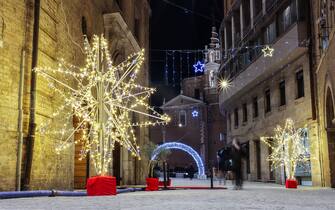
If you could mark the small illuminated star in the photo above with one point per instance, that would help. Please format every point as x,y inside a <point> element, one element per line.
<point>224,84</point>
<point>195,113</point>
<point>267,51</point>
<point>199,67</point>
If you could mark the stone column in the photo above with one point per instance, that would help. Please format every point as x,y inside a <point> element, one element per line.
<point>265,169</point>
<point>128,12</point>
<point>253,160</point>
<point>252,10</point>
<point>241,19</point>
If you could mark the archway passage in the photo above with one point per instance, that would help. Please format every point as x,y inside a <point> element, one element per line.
<point>330,118</point>
<point>185,148</point>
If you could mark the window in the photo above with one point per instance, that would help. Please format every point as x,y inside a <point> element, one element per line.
<point>211,79</point>
<point>137,28</point>
<point>300,84</point>
<point>255,107</point>
<point>267,101</point>
<point>271,33</point>
<point>245,112</point>
<point>282,93</point>
<point>287,17</point>
<point>222,137</point>
<point>236,117</point>
<point>197,93</point>
<point>182,119</point>
<point>83,25</point>
<point>229,122</point>
<point>324,25</point>
<point>118,2</point>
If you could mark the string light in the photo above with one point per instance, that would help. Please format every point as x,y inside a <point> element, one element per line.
<point>288,148</point>
<point>104,99</point>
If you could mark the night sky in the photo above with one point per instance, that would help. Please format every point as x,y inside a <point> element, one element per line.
<point>174,28</point>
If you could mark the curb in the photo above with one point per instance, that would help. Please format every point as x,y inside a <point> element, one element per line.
<point>54,193</point>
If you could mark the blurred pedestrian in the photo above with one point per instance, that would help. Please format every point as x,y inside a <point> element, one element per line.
<point>237,163</point>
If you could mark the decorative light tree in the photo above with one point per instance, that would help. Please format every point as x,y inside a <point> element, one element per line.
<point>288,149</point>
<point>105,99</point>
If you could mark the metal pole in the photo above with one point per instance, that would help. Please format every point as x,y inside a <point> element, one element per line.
<point>20,123</point>
<point>212,174</point>
<point>164,172</point>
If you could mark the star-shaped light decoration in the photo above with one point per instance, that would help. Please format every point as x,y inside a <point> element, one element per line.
<point>104,99</point>
<point>267,51</point>
<point>195,113</point>
<point>288,147</point>
<point>199,67</point>
<point>224,84</point>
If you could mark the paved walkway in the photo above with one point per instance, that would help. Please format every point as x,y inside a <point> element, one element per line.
<point>253,196</point>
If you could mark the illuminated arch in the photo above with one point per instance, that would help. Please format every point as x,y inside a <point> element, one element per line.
<point>185,148</point>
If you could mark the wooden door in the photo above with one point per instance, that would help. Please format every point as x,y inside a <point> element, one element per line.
<point>81,166</point>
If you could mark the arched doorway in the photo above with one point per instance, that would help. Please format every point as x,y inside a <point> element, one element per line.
<point>185,148</point>
<point>330,128</point>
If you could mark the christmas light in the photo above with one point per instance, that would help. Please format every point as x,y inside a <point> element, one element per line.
<point>224,84</point>
<point>104,98</point>
<point>199,67</point>
<point>195,113</point>
<point>185,148</point>
<point>288,148</point>
<point>267,51</point>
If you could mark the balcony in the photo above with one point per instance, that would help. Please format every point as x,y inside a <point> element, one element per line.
<point>287,49</point>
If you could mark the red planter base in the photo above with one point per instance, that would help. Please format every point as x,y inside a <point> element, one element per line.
<point>161,183</point>
<point>292,184</point>
<point>101,185</point>
<point>152,184</point>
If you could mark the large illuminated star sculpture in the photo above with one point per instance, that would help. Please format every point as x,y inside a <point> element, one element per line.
<point>105,99</point>
<point>288,147</point>
<point>199,67</point>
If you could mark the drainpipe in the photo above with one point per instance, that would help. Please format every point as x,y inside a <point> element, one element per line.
<point>32,124</point>
<point>20,103</point>
<point>20,122</point>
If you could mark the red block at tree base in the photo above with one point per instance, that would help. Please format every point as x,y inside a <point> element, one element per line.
<point>101,185</point>
<point>291,184</point>
<point>161,183</point>
<point>152,184</point>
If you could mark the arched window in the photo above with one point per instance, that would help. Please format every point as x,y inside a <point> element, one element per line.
<point>182,118</point>
<point>330,115</point>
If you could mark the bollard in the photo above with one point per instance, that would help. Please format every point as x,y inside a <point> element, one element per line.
<point>164,172</point>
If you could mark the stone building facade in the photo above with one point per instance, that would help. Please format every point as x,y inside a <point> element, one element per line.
<point>196,119</point>
<point>323,22</point>
<point>62,25</point>
<point>265,91</point>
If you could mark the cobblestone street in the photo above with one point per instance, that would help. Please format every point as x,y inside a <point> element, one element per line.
<point>253,196</point>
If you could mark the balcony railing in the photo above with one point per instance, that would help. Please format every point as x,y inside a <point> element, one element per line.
<point>247,68</point>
